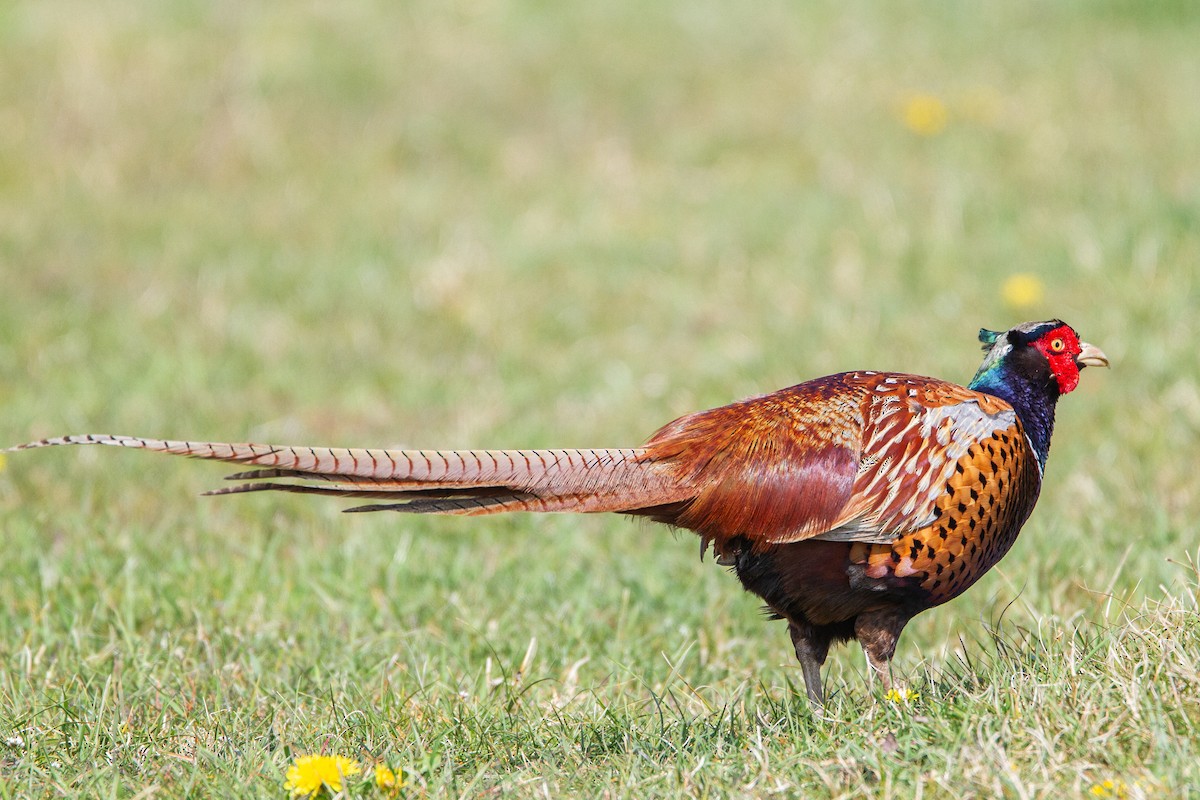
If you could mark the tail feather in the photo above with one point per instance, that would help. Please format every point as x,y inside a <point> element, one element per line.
<point>362,490</point>
<point>462,482</point>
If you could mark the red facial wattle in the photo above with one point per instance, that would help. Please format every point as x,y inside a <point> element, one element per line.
<point>1060,347</point>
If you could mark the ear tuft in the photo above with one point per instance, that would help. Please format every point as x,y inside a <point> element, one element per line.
<point>988,338</point>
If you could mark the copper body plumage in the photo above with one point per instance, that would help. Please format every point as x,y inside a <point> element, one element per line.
<point>848,503</point>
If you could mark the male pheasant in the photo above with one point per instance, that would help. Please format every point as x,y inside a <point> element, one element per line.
<point>849,503</point>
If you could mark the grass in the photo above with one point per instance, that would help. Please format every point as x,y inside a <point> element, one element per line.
<point>526,224</point>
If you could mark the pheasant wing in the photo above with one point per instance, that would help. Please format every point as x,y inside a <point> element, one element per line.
<point>918,433</point>
<point>851,457</point>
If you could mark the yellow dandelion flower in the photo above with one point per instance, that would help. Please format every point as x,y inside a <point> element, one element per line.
<point>1108,788</point>
<point>924,114</point>
<point>1023,290</point>
<point>3,462</point>
<point>386,780</point>
<point>309,774</point>
<point>902,696</point>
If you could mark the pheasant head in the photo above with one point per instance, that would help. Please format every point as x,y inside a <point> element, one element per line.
<point>1031,366</point>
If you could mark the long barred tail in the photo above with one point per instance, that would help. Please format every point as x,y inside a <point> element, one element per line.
<point>464,482</point>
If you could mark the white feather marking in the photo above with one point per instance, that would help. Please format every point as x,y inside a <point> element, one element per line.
<point>1035,459</point>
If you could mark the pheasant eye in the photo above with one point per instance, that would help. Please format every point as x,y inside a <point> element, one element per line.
<point>1057,345</point>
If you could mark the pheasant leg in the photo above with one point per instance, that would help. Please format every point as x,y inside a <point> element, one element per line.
<point>811,650</point>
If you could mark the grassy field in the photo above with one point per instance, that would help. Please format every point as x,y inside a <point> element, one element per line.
<point>534,224</point>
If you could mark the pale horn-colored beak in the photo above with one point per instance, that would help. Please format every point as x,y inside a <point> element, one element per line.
<point>1091,356</point>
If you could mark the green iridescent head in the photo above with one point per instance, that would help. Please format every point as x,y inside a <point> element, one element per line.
<point>1032,349</point>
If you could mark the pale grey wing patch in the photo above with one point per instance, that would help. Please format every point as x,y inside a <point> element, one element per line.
<point>908,454</point>
<point>855,531</point>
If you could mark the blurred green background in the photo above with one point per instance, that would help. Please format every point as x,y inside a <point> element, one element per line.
<point>491,224</point>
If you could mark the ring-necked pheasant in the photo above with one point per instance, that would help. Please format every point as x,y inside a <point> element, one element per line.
<point>849,503</point>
